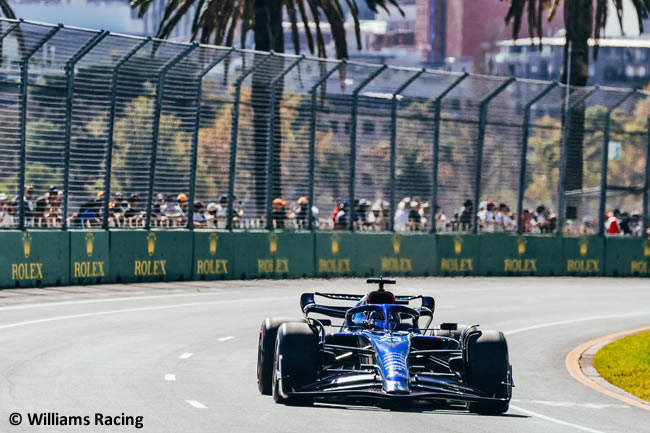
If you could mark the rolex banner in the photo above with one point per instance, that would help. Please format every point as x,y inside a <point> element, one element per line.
<point>213,255</point>
<point>508,255</point>
<point>627,257</point>
<point>34,258</point>
<point>141,255</point>
<point>273,255</point>
<point>89,257</point>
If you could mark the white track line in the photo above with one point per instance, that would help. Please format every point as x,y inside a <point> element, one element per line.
<point>230,337</point>
<point>135,310</point>
<point>196,404</point>
<point>554,420</point>
<point>170,377</point>
<point>567,322</point>
<point>186,355</point>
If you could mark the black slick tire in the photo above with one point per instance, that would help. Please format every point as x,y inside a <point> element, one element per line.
<point>295,363</point>
<point>266,351</point>
<point>489,371</point>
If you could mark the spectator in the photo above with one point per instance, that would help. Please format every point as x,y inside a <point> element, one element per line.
<point>441,221</point>
<point>527,221</point>
<point>488,217</point>
<point>211,217</point>
<point>89,215</point>
<point>279,213</point>
<point>613,223</point>
<point>6,212</point>
<point>342,220</point>
<point>376,219</point>
<point>504,221</point>
<point>222,212</point>
<point>415,219</point>
<point>133,214</point>
<point>402,215</point>
<point>302,212</point>
<point>182,202</point>
<point>337,208</point>
<point>466,216</point>
<point>361,213</point>
<point>198,217</point>
<point>172,213</point>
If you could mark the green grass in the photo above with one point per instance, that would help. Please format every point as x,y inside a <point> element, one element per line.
<point>626,364</point>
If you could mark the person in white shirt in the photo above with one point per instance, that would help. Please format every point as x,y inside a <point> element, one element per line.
<point>402,215</point>
<point>6,212</point>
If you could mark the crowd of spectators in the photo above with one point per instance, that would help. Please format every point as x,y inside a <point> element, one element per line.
<point>42,211</point>
<point>411,215</point>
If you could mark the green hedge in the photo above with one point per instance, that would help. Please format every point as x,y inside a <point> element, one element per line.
<point>46,258</point>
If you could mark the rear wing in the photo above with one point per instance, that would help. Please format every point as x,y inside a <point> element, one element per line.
<point>308,303</point>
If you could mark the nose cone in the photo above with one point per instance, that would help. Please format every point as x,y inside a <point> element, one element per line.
<point>392,356</point>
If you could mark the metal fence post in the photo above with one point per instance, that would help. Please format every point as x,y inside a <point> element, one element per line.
<point>69,73</point>
<point>479,151</point>
<point>646,186</point>
<point>524,151</point>
<point>353,139</point>
<point>110,127</point>
<point>563,159</point>
<point>436,147</point>
<point>194,152</point>
<point>604,163</point>
<point>270,143</point>
<point>312,140</point>
<point>234,132</point>
<point>9,30</point>
<point>24,83</point>
<point>393,143</point>
<point>160,88</point>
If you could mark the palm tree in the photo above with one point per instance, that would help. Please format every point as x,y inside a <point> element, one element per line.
<point>216,22</point>
<point>6,9</point>
<point>582,21</point>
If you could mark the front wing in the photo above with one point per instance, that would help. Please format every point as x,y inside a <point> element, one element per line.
<point>369,386</point>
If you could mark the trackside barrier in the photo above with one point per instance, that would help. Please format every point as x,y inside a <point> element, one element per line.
<point>273,255</point>
<point>214,255</point>
<point>458,255</point>
<point>627,257</point>
<point>50,258</point>
<point>504,255</point>
<point>583,256</point>
<point>150,256</point>
<point>34,258</point>
<point>89,257</point>
<point>392,254</point>
<point>335,254</point>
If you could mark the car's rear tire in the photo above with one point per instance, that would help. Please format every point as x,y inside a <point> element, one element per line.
<point>266,351</point>
<point>488,369</point>
<point>295,363</point>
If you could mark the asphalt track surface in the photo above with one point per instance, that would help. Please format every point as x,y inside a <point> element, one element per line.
<point>183,355</point>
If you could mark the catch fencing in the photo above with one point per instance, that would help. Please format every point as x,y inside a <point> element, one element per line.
<point>101,130</point>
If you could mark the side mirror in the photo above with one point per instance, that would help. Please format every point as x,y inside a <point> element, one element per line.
<point>306,299</point>
<point>449,326</point>
<point>429,302</point>
<point>325,322</point>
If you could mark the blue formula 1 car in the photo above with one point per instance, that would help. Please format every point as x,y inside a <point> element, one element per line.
<point>380,354</point>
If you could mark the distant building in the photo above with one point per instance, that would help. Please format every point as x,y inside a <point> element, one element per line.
<point>457,34</point>
<point>621,62</point>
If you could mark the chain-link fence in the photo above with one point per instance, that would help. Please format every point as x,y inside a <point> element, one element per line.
<point>102,130</point>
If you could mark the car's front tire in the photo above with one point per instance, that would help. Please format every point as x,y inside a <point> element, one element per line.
<point>489,370</point>
<point>295,363</point>
<point>266,351</point>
